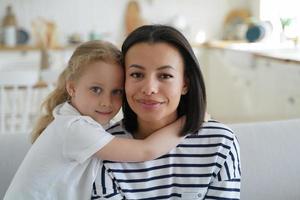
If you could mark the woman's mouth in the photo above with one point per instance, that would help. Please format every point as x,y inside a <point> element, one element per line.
<point>149,104</point>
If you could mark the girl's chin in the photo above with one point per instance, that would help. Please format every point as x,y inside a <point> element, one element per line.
<point>102,120</point>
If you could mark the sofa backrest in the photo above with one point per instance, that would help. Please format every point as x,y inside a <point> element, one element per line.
<point>269,154</point>
<point>270,160</point>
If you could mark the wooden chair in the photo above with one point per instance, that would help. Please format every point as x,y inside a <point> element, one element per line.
<point>21,95</point>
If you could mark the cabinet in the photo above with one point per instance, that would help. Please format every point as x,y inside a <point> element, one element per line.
<point>243,87</point>
<point>30,60</point>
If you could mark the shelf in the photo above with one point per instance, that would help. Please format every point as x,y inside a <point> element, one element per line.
<point>26,48</point>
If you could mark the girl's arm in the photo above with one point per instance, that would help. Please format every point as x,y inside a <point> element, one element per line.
<point>134,150</point>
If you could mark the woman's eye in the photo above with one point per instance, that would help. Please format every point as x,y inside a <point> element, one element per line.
<point>136,75</point>
<point>96,90</point>
<point>165,76</point>
<point>118,92</point>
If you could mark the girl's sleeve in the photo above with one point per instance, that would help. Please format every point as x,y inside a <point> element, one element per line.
<point>84,138</point>
<point>226,184</point>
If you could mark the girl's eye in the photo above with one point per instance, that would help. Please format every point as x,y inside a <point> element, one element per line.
<point>136,75</point>
<point>165,76</point>
<point>118,92</point>
<point>96,90</point>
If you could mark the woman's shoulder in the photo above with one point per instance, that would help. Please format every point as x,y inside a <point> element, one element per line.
<point>214,131</point>
<point>118,129</point>
<point>214,134</point>
<point>217,127</point>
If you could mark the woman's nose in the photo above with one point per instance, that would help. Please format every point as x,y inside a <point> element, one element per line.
<point>150,86</point>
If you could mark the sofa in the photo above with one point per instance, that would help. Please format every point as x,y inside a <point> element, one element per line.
<point>269,153</point>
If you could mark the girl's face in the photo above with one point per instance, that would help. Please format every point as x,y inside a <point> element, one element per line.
<point>98,92</point>
<point>154,81</point>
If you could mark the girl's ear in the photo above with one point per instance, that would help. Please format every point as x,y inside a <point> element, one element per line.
<point>70,87</point>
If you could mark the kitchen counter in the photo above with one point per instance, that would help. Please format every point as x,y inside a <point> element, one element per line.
<point>244,80</point>
<point>280,52</point>
<point>286,55</point>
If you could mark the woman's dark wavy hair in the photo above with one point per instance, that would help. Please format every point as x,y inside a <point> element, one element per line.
<point>192,104</point>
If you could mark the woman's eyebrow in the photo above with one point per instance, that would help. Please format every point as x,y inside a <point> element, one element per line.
<point>166,67</point>
<point>136,66</point>
<point>159,68</point>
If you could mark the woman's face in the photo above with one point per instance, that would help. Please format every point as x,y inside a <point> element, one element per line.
<point>154,81</point>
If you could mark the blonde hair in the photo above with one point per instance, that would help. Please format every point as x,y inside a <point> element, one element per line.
<point>84,54</point>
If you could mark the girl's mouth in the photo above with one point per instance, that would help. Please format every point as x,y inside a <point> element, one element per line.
<point>104,112</point>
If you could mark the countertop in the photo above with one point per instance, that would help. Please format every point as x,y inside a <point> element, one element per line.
<point>281,52</point>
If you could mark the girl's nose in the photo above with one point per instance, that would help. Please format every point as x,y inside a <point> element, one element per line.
<point>105,100</point>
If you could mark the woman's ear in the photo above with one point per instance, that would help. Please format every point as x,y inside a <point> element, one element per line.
<point>70,87</point>
<point>185,87</point>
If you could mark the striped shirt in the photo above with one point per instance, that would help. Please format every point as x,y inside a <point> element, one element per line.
<point>205,165</point>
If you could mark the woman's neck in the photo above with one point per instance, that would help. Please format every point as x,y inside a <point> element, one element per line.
<point>146,128</point>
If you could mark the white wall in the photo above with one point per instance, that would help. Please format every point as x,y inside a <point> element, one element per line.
<point>106,16</point>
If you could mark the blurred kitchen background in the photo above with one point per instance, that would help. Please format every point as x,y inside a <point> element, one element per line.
<point>249,50</point>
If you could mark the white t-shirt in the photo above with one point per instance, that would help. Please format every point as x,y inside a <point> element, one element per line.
<point>60,165</point>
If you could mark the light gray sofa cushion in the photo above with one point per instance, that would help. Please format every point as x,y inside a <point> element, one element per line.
<point>270,160</point>
<point>13,148</point>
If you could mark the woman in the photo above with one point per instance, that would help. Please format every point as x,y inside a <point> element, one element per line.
<point>164,82</point>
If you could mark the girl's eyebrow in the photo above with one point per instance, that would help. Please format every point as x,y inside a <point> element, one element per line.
<point>160,68</point>
<point>96,83</point>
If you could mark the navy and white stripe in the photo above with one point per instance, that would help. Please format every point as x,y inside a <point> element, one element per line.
<point>206,165</point>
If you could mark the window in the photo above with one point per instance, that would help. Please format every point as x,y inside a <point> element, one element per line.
<point>280,12</point>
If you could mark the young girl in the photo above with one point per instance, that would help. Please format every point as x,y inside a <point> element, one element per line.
<point>68,140</point>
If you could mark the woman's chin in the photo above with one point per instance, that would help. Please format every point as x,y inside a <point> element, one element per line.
<point>157,118</point>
